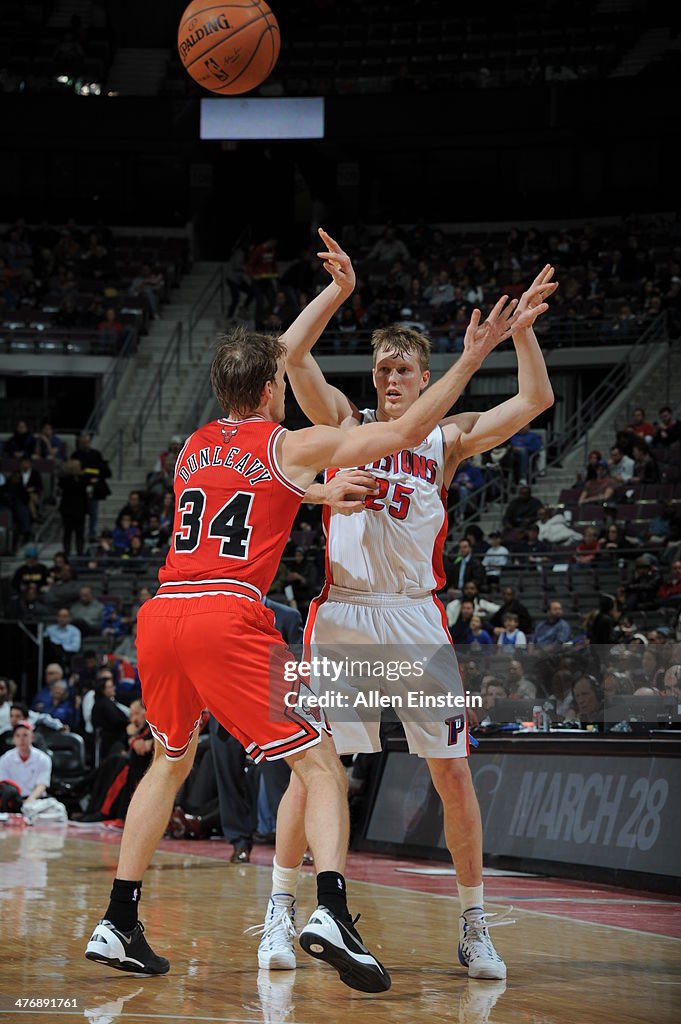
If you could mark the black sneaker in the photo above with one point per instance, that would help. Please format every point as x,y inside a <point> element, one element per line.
<point>338,943</point>
<point>126,951</point>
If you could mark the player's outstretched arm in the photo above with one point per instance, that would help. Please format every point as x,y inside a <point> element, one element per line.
<point>319,400</point>
<point>469,434</point>
<point>306,451</point>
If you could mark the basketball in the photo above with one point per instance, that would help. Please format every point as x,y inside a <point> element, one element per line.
<point>228,48</point>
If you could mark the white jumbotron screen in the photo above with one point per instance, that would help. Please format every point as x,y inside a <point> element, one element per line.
<point>262,118</point>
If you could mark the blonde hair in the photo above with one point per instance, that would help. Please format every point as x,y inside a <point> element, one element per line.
<point>402,341</point>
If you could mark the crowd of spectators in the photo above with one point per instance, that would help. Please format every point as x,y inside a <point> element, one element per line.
<point>614,280</point>
<point>83,283</point>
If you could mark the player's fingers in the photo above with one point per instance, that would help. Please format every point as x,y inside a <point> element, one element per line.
<point>348,507</point>
<point>331,242</point>
<point>506,313</point>
<point>360,476</point>
<point>496,310</point>
<point>474,320</point>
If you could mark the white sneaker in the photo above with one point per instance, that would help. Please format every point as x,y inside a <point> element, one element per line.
<point>476,951</point>
<point>276,951</point>
<point>478,1001</point>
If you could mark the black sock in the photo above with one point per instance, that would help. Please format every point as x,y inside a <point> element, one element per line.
<point>331,893</point>
<point>125,897</point>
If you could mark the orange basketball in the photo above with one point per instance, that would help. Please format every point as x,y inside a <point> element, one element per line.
<point>228,47</point>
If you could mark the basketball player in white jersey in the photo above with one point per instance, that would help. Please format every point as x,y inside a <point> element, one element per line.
<point>384,566</point>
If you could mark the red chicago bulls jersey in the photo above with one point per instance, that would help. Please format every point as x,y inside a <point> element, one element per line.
<point>234,510</point>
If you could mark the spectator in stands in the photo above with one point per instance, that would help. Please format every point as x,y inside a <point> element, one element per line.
<point>481,605</point>
<point>493,689</point>
<point>601,488</point>
<point>621,466</point>
<point>111,331</point>
<point>170,455</point>
<point>64,636</point>
<point>639,428</point>
<point>524,444</point>
<point>530,546</point>
<point>593,458</point>
<point>588,548</point>
<point>468,479</point>
<point>669,430</point>
<point>521,510</point>
<point>554,528</point>
<point>669,590</point>
<point>96,472</point>
<point>496,558</point>
<point>21,443</point>
<point>32,483</point>
<point>617,684</point>
<point>48,444</point>
<point>31,769</point>
<point>73,504</point>
<point>461,631</point>
<point>651,671</point>
<point>27,605</point>
<point>122,534</point>
<point>137,551</point>
<point>479,636</point>
<point>519,685</point>
<point>511,635</point>
<point>105,545</point>
<point>135,508</point>
<point>389,248</point>
<point>613,544</point>
<point>109,718</point>
<point>466,568</point>
<point>60,705</point>
<point>602,625</point>
<point>31,571</point>
<point>149,283</point>
<point>511,604</point>
<point>87,613</point>
<point>64,591</point>
<point>646,470</point>
<point>588,699</point>
<point>14,497</point>
<point>441,292</point>
<point>554,629</point>
<point>642,589</point>
<point>561,692</point>
<point>155,536</point>
<point>53,673</point>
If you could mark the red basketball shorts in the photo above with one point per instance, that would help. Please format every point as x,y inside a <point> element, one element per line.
<point>223,653</point>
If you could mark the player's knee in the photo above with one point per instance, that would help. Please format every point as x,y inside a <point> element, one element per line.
<point>450,775</point>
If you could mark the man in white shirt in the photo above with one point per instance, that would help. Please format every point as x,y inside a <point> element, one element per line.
<point>481,606</point>
<point>621,465</point>
<point>31,769</point>
<point>64,633</point>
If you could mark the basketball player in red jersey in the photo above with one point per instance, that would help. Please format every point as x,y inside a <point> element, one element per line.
<point>206,640</point>
<point>383,569</point>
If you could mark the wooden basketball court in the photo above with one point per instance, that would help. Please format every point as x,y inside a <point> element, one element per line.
<point>566,964</point>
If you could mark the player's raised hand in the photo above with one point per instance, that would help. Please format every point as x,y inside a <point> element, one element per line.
<point>345,492</point>
<point>482,336</point>
<point>337,263</point>
<point>541,288</point>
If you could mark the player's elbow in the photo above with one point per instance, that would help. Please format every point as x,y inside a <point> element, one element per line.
<point>546,399</point>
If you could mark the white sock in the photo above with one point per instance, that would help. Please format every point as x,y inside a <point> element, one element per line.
<point>470,896</point>
<point>284,881</point>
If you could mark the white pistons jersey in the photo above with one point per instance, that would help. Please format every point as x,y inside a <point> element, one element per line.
<point>395,545</point>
